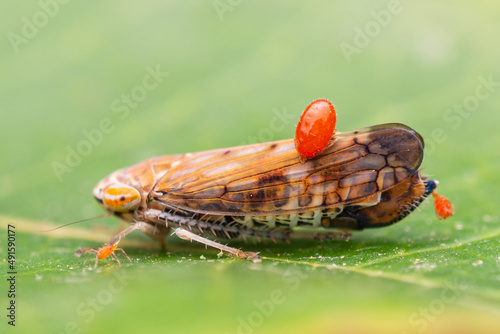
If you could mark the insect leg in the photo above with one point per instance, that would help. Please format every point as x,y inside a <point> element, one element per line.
<point>89,250</point>
<point>155,232</point>
<point>186,235</point>
<point>120,249</point>
<point>116,239</point>
<point>105,253</point>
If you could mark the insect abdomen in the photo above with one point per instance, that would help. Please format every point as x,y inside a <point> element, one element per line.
<point>395,204</point>
<point>310,219</point>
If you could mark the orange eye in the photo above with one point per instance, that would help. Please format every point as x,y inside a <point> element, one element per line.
<point>121,198</point>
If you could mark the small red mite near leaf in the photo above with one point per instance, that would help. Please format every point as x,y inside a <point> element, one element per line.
<point>105,251</point>
<point>444,207</point>
<point>102,253</point>
<point>315,129</point>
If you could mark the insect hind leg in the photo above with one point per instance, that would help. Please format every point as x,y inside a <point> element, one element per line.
<point>187,235</point>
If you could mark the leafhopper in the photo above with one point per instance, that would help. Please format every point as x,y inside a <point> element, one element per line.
<point>362,179</point>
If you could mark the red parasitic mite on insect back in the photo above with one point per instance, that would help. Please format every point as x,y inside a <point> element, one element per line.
<point>315,128</point>
<point>443,206</point>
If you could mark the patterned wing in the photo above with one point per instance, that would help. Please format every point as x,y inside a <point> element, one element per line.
<point>268,179</point>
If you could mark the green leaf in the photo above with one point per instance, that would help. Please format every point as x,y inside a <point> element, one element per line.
<point>227,76</point>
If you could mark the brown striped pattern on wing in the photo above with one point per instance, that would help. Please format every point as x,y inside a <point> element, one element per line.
<point>268,179</point>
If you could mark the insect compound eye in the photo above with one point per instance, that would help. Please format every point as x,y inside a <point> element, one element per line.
<point>121,197</point>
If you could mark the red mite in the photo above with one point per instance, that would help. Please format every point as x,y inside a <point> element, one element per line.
<point>102,253</point>
<point>444,207</point>
<point>315,129</point>
<point>105,251</point>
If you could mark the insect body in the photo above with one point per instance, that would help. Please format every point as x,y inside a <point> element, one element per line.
<point>443,206</point>
<point>362,179</point>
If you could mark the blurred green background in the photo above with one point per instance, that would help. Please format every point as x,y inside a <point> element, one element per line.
<point>234,72</point>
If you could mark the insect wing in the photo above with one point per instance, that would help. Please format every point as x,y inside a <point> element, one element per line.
<point>268,179</point>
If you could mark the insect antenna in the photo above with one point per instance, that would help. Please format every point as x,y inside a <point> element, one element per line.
<point>79,221</point>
